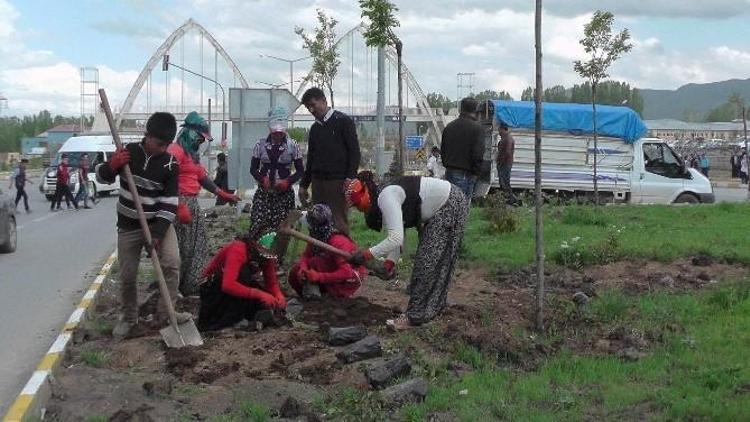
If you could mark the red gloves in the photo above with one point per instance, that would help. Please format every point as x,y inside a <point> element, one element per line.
<point>390,269</point>
<point>229,197</point>
<point>183,214</point>
<point>360,257</point>
<point>282,185</point>
<point>266,299</point>
<point>119,159</point>
<point>266,183</point>
<point>312,276</point>
<point>280,302</point>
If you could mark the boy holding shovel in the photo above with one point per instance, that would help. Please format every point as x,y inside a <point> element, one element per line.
<point>155,173</point>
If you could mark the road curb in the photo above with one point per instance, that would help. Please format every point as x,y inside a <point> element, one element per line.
<point>37,388</point>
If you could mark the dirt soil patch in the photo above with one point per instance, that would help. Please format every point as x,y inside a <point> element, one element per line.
<point>140,380</point>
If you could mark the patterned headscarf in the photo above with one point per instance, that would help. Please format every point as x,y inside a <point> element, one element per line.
<point>194,128</point>
<point>320,219</point>
<point>277,119</point>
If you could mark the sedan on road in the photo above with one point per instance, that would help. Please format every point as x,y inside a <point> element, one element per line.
<point>8,231</point>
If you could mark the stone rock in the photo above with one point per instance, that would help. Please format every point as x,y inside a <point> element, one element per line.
<point>368,347</point>
<point>703,261</point>
<point>291,408</point>
<point>294,308</point>
<point>161,387</point>
<point>242,325</point>
<point>580,298</point>
<point>345,335</point>
<point>414,390</point>
<point>247,208</point>
<point>311,291</point>
<point>703,276</point>
<point>667,281</point>
<point>631,354</point>
<point>381,374</point>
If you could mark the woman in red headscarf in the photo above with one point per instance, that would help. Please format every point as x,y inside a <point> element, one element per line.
<point>331,273</point>
<point>438,210</point>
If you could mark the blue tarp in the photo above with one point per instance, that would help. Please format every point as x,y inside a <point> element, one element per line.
<point>576,119</point>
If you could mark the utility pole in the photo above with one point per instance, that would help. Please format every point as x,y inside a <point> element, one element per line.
<point>291,74</point>
<point>380,157</point>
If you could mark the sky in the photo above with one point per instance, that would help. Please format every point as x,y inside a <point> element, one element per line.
<point>43,44</point>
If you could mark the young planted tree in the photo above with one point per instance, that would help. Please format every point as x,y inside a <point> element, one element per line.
<point>381,14</point>
<point>539,216</point>
<point>321,45</point>
<point>603,48</point>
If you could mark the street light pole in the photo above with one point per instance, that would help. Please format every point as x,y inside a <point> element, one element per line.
<point>291,72</point>
<point>165,66</point>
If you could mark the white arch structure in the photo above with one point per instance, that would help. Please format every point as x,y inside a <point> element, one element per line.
<point>156,58</point>
<point>411,81</point>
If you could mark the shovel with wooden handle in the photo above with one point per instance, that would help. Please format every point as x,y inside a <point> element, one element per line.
<point>375,267</point>
<point>176,335</point>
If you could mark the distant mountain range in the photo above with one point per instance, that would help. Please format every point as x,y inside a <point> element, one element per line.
<point>691,101</point>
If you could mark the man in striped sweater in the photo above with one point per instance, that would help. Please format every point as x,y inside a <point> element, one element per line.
<point>155,174</point>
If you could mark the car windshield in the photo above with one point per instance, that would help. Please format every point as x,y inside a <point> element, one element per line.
<point>74,158</point>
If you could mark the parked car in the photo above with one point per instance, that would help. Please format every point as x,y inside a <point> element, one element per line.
<point>8,231</point>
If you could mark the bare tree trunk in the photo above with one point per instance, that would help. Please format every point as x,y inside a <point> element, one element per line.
<point>330,93</point>
<point>539,240</point>
<point>401,146</point>
<point>744,134</point>
<point>596,146</point>
<point>380,157</point>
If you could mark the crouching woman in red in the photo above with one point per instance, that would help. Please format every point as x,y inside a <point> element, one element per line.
<point>330,272</point>
<point>242,281</point>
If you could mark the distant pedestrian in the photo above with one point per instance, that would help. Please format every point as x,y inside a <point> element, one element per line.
<point>462,148</point>
<point>734,162</point>
<point>156,176</point>
<point>276,165</point>
<point>221,179</point>
<point>83,181</point>
<point>332,157</point>
<point>19,180</point>
<point>506,148</point>
<point>435,164</point>
<point>191,224</point>
<point>743,166</point>
<point>705,164</point>
<point>62,187</point>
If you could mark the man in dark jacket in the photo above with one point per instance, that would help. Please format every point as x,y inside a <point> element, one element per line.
<point>462,148</point>
<point>155,173</point>
<point>332,157</point>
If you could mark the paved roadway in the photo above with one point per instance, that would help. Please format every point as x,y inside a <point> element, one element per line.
<point>43,281</point>
<point>731,194</point>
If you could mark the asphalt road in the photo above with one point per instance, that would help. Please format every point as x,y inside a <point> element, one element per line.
<point>731,194</point>
<point>41,283</point>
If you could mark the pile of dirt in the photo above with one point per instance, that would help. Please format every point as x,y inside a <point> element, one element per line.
<point>492,314</point>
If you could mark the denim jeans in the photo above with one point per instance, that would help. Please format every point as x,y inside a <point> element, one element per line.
<point>463,180</point>
<point>503,175</point>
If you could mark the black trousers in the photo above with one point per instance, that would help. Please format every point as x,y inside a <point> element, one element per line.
<point>63,190</point>
<point>21,193</point>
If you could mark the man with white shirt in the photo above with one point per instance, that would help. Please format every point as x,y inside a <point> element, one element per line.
<point>435,164</point>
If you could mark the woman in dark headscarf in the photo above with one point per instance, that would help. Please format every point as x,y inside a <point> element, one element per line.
<point>242,282</point>
<point>438,210</point>
<point>330,272</point>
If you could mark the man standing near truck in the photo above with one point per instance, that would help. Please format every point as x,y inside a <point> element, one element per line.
<point>62,187</point>
<point>462,149</point>
<point>506,147</point>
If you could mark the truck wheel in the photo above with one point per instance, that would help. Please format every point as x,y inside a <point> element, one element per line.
<point>687,198</point>
<point>10,245</point>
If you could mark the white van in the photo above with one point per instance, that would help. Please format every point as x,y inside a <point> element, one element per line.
<point>630,169</point>
<point>99,148</point>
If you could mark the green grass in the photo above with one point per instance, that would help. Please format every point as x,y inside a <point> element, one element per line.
<point>94,358</point>
<point>698,371</point>
<point>655,232</point>
<point>247,411</point>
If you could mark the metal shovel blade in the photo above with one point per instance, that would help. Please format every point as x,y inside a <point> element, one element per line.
<point>185,334</point>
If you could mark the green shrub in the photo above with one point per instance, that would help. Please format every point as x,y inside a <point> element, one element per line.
<point>501,217</point>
